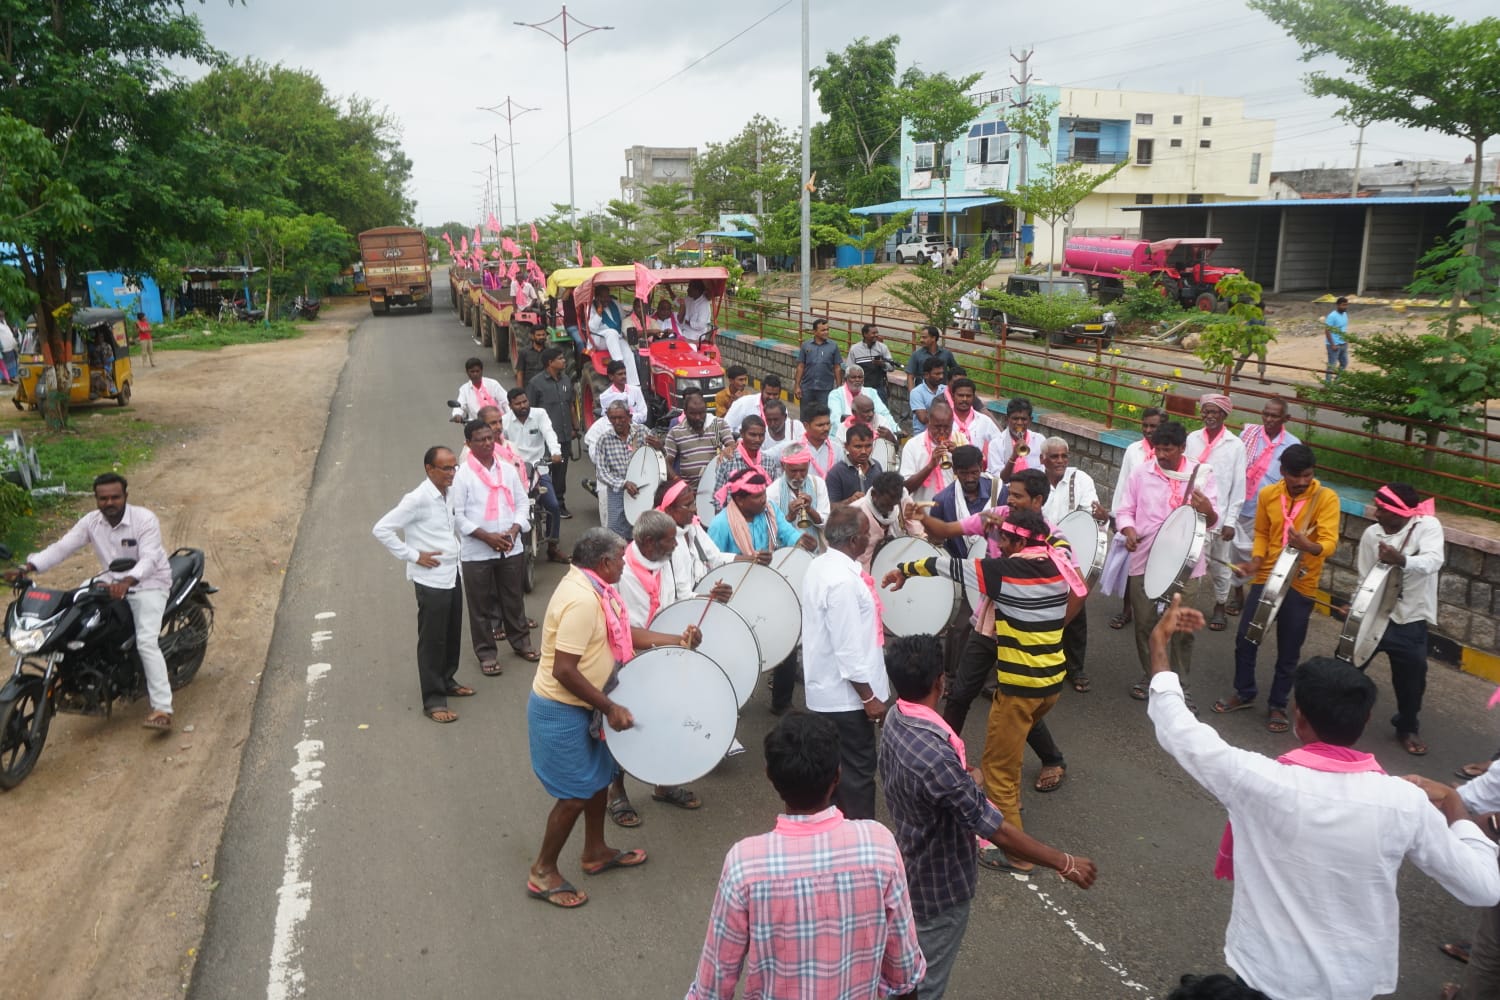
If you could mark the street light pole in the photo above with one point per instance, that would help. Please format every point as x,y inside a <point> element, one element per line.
<point>512,112</point>
<point>494,147</point>
<point>565,39</point>
<point>806,157</point>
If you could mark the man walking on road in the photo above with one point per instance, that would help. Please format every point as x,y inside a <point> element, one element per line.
<point>552,392</point>
<point>489,506</point>
<point>819,367</point>
<point>1336,338</point>
<point>428,545</point>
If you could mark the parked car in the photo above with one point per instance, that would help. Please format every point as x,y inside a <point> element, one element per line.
<point>1072,295</point>
<point>920,248</point>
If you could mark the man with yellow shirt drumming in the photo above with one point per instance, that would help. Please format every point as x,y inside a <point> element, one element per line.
<point>1298,513</point>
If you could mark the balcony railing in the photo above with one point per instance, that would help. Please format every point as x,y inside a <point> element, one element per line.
<point>1079,156</point>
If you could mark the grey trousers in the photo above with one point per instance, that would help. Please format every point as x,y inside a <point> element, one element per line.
<point>1144,614</point>
<point>496,592</point>
<point>1483,979</point>
<point>855,795</point>
<point>939,938</point>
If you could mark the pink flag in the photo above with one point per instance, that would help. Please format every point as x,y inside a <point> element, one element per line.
<point>463,245</point>
<point>595,262</point>
<point>495,253</point>
<point>448,238</point>
<point>533,234</point>
<point>535,270</point>
<point>509,245</point>
<point>578,252</point>
<point>477,238</point>
<point>512,271</point>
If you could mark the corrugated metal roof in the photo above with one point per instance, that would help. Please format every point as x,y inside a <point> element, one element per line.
<point>1456,199</point>
<point>955,204</point>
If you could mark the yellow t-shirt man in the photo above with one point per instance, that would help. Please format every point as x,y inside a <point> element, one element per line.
<point>1318,520</point>
<point>575,624</point>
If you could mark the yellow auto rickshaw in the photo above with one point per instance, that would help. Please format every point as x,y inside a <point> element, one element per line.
<point>98,360</point>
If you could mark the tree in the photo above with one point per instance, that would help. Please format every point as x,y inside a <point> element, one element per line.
<point>1239,331</point>
<point>1418,69</point>
<point>862,276</point>
<point>938,110</point>
<point>852,150</point>
<point>95,80</point>
<point>780,235</point>
<point>34,198</point>
<point>666,213</point>
<point>1055,194</point>
<point>294,148</point>
<point>762,157</point>
<point>934,292</point>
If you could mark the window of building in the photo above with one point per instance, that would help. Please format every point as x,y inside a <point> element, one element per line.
<point>1195,199</point>
<point>1175,144</point>
<point>1145,199</point>
<point>1086,149</point>
<point>1144,119</point>
<point>1254,168</point>
<point>989,142</point>
<point>1143,151</point>
<point>1205,143</point>
<point>1176,119</point>
<point>1207,121</point>
<point>923,156</point>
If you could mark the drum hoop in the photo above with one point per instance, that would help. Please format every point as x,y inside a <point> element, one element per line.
<point>958,589</point>
<point>1190,557</point>
<point>676,652</point>
<point>1364,609</point>
<point>1273,593</point>
<point>1101,545</point>
<point>708,609</point>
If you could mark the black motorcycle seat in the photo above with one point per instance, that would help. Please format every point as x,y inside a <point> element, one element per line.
<point>186,564</point>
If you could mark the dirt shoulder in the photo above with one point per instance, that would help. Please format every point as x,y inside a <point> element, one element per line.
<point>110,841</point>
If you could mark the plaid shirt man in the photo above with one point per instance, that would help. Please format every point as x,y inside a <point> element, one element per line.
<point>612,456</point>
<point>816,908</point>
<point>936,809</point>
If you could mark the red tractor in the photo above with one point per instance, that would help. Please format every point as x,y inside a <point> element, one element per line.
<point>675,362</point>
<point>1179,265</point>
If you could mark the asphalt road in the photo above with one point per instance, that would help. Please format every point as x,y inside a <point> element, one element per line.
<point>371,853</point>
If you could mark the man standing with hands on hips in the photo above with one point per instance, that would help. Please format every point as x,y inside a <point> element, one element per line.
<point>430,551</point>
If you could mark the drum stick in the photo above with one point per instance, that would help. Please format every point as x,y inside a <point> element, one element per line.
<point>782,561</point>
<point>708,603</point>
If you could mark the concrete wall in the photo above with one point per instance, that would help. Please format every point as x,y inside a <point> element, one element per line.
<point>1468,592</point>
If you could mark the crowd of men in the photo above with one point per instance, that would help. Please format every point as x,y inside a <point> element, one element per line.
<point>831,903</point>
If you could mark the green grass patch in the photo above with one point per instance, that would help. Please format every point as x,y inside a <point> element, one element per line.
<point>200,333</point>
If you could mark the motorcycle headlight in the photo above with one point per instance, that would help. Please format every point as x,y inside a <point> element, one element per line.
<point>26,640</point>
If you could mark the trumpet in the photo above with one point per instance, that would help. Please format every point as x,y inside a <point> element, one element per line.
<point>1021,448</point>
<point>804,515</point>
<point>946,462</point>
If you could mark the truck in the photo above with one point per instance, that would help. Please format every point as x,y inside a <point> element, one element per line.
<point>1181,266</point>
<point>397,269</point>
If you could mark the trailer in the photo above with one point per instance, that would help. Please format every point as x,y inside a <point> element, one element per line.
<point>397,269</point>
<point>1181,266</point>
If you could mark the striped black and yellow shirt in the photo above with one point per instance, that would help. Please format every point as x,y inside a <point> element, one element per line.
<point>1031,605</point>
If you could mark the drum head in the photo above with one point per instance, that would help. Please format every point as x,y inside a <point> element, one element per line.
<point>646,469</point>
<point>767,602</point>
<point>1089,541</point>
<point>728,639</point>
<point>885,453</point>
<point>923,605</point>
<point>1377,613</point>
<point>1283,572</point>
<point>978,549</point>
<point>685,714</point>
<point>706,510</point>
<point>1174,552</point>
<point>792,562</point>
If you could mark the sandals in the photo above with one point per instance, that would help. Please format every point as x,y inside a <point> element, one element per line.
<point>632,858</point>
<point>550,895</point>
<point>1081,683</point>
<point>460,691</point>
<point>491,669</point>
<point>994,858</point>
<point>623,813</point>
<point>444,714</point>
<point>1457,949</point>
<point>1140,690</point>
<point>157,721</point>
<point>1051,778</point>
<point>529,655</point>
<point>1471,771</point>
<point>1276,720</point>
<point>1233,608</point>
<point>1120,620</point>
<point>682,798</point>
<point>1234,703</point>
<point>1217,622</point>
<point>1412,744</point>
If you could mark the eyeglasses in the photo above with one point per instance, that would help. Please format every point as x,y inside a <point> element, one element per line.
<point>446,468</point>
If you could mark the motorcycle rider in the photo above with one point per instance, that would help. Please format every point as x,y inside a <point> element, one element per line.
<point>121,530</point>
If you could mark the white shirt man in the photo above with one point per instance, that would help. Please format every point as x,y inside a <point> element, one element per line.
<point>1074,490</point>
<point>631,395</point>
<point>839,406</point>
<point>694,556</point>
<point>424,517</point>
<point>633,588</point>
<point>697,317</point>
<point>1421,542</point>
<point>470,496</point>
<point>533,439</point>
<point>1224,454</point>
<point>469,400</point>
<point>1004,445</point>
<point>914,456</point>
<point>791,432</point>
<point>607,338</point>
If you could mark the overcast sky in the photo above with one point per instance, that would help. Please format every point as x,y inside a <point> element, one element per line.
<point>648,82</point>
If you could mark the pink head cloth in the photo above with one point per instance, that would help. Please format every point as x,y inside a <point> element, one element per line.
<point>1218,399</point>
<point>744,481</point>
<point>673,492</point>
<point>1062,555</point>
<point>1386,499</point>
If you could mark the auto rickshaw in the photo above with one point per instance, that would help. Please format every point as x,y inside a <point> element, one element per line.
<point>98,359</point>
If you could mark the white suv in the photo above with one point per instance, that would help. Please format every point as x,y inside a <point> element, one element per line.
<point>919,249</point>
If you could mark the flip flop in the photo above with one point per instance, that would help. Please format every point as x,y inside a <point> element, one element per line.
<point>1233,608</point>
<point>530,655</point>
<point>994,858</point>
<point>1140,691</point>
<point>1043,784</point>
<point>491,669</point>
<point>1471,771</point>
<point>1082,684</point>
<point>433,713</point>
<point>1217,622</point>
<point>1119,621</point>
<point>1276,720</point>
<point>549,895</point>
<point>633,858</point>
<point>460,691</point>
<point>1234,703</point>
<point>157,721</point>
<point>1457,949</point>
<point>1412,744</point>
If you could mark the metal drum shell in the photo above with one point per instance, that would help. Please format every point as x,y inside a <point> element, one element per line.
<point>1283,574</point>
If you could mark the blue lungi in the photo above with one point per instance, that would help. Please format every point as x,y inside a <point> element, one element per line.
<point>568,762</point>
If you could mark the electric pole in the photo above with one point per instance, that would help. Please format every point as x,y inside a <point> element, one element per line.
<point>494,146</point>
<point>1359,148</point>
<point>512,112</point>
<point>760,204</point>
<point>806,156</point>
<point>1020,103</point>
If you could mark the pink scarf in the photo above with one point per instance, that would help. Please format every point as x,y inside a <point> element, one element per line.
<point>1317,757</point>
<point>1289,512</point>
<point>1170,477</point>
<point>504,451</point>
<point>616,617</point>
<point>1209,444</point>
<point>879,607</point>
<point>789,827</point>
<point>821,471</point>
<point>1061,556</point>
<point>482,395</point>
<point>650,580</point>
<point>1385,498</point>
<point>1255,472</point>
<point>751,463</point>
<point>934,480</point>
<point>495,486</point>
<point>926,714</point>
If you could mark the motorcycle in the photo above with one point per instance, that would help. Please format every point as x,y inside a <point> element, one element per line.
<point>231,310</point>
<point>75,652</point>
<point>302,308</point>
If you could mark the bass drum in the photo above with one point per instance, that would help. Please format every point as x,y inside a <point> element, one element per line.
<point>792,562</point>
<point>924,605</point>
<point>685,713</point>
<point>1089,540</point>
<point>1272,595</point>
<point>728,639</point>
<point>647,469</point>
<point>1369,614</point>
<point>765,599</point>
<point>1175,551</point>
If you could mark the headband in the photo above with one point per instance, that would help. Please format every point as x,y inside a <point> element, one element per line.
<point>673,492</point>
<point>746,481</point>
<point>1386,499</point>
<point>1062,555</point>
<point>1218,399</point>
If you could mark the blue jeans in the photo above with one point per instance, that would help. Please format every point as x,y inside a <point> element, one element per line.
<point>1291,630</point>
<point>549,504</point>
<point>1338,355</point>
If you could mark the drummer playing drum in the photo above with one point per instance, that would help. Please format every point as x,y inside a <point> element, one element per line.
<point>1298,513</point>
<point>1406,535</point>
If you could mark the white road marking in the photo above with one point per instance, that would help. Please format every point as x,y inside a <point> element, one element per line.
<point>319,638</point>
<point>286,979</point>
<point>325,615</point>
<point>1088,942</point>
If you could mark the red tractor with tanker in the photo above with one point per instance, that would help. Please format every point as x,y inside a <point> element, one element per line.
<point>1179,265</point>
